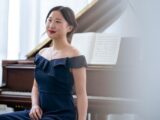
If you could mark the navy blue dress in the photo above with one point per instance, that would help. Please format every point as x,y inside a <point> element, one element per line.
<point>55,84</point>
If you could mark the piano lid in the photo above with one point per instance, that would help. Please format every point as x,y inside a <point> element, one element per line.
<point>101,15</point>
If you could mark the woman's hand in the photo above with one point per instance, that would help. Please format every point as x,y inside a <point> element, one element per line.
<point>35,112</point>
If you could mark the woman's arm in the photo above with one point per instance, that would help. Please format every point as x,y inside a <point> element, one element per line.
<point>35,112</point>
<point>35,94</point>
<point>80,87</point>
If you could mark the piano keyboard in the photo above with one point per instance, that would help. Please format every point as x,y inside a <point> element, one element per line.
<point>16,93</point>
<point>99,98</point>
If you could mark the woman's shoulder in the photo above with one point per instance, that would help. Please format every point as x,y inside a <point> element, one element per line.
<point>44,50</point>
<point>74,51</point>
<point>77,60</point>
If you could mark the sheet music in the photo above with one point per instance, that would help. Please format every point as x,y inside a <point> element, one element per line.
<point>5,109</point>
<point>84,42</point>
<point>106,49</point>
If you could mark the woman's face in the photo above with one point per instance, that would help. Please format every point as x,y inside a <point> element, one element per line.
<point>56,26</point>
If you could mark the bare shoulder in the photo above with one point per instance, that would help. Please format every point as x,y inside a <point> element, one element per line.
<point>74,51</point>
<point>43,51</point>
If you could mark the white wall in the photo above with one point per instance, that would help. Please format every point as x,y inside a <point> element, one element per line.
<point>143,20</point>
<point>126,25</point>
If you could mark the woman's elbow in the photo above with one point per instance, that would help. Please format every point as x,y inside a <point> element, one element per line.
<point>81,94</point>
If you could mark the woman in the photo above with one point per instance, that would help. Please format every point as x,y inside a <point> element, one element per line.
<point>57,68</point>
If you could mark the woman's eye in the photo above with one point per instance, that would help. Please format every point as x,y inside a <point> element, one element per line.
<point>58,21</point>
<point>50,20</point>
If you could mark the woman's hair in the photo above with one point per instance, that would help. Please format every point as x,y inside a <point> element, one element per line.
<point>69,16</point>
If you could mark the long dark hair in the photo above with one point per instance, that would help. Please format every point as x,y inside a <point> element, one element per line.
<point>69,16</point>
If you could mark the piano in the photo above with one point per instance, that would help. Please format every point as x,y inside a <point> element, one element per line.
<point>110,88</point>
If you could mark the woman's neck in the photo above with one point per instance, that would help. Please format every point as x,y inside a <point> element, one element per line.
<point>60,44</point>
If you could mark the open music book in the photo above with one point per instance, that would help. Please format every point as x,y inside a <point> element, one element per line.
<point>98,48</point>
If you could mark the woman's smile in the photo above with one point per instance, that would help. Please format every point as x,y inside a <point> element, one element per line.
<point>51,31</point>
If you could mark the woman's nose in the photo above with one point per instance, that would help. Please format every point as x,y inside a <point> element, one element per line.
<point>52,25</point>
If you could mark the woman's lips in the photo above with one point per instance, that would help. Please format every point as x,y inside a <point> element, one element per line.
<point>52,31</point>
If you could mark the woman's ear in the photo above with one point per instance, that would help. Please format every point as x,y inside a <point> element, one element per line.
<point>70,28</point>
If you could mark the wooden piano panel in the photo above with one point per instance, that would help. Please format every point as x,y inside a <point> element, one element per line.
<point>108,81</point>
<point>19,77</point>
